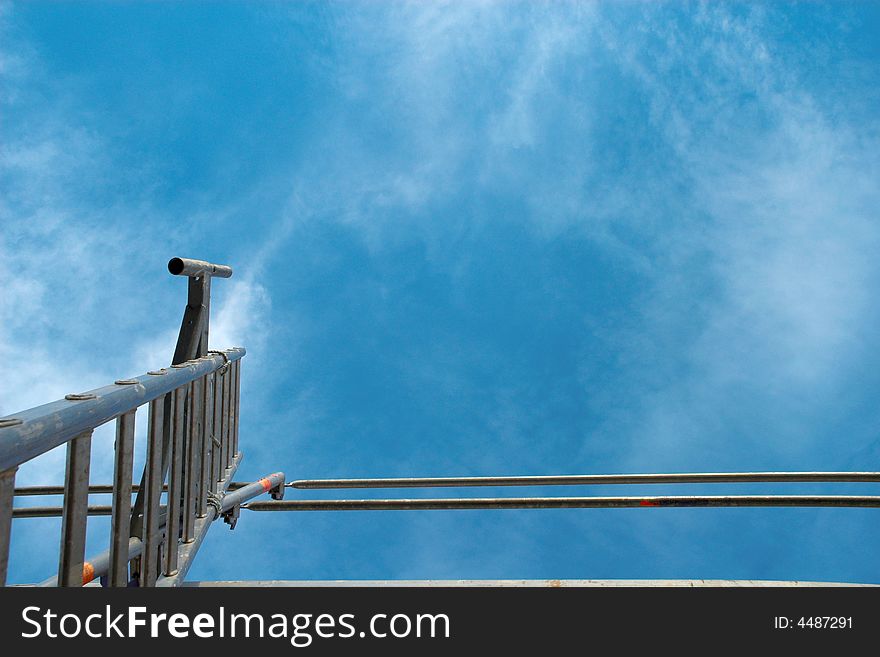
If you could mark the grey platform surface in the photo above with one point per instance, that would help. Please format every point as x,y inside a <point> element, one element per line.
<point>536,583</point>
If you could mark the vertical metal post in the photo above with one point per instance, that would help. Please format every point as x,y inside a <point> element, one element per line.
<point>75,513</point>
<point>120,510</point>
<point>153,477</point>
<point>220,400</point>
<point>192,341</point>
<point>193,470</point>
<point>237,386</point>
<point>218,433</point>
<point>207,411</point>
<point>7,491</point>
<point>226,379</point>
<point>175,485</point>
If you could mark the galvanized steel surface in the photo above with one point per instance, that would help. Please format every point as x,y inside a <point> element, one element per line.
<point>591,479</point>
<point>47,426</point>
<point>569,503</point>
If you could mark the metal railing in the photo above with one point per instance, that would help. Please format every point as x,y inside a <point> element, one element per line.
<point>192,410</point>
<point>423,504</point>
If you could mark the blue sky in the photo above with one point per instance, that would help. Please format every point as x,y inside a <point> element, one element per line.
<point>469,239</point>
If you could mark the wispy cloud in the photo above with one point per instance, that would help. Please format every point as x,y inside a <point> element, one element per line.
<point>577,236</point>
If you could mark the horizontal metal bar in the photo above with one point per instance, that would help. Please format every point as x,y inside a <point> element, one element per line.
<point>97,489</point>
<point>568,503</point>
<point>561,480</point>
<point>190,267</point>
<point>578,480</point>
<point>47,426</point>
<point>55,511</point>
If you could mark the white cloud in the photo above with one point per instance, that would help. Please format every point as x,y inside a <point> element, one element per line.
<point>81,264</point>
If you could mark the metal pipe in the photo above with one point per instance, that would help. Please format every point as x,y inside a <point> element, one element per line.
<point>232,498</point>
<point>99,565</point>
<point>190,267</point>
<point>538,480</point>
<point>577,480</point>
<point>45,427</point>
<point>56,511</point>
<point>568,503</point>
<point>95,489</point>
<point>264,485</point>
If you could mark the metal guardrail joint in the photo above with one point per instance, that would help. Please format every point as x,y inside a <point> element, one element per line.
<point>230,505</point>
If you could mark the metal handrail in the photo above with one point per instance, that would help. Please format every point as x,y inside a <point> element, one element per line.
<point>45,427</point>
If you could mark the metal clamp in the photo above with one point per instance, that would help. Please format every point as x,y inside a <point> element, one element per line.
<point>230,516</point>
<point>216,501</point>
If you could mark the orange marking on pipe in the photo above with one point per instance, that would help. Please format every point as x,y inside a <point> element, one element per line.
<point>88,572</point>
<point>266,483</point>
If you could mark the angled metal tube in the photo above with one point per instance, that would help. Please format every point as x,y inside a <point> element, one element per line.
<point>240,492</point>
<point>98,565</point>
<point>274,481</point>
